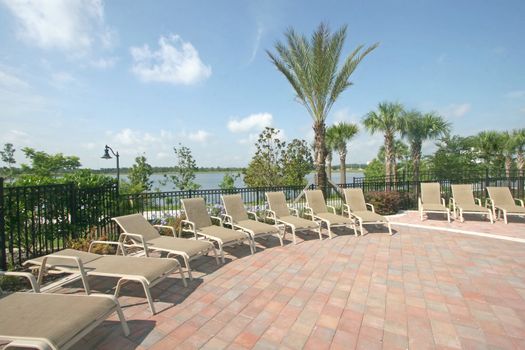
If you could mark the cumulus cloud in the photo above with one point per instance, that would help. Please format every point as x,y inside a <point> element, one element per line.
<point>69,25</point>
<point>344,115</point>
<point>16,137</point>
<point>456,110</point>
<point>17,96</point>
<point>200,136</point>
<point>252,122</point>
<point>175,62</point>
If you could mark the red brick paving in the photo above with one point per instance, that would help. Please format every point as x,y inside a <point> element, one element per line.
<point>417,289</point>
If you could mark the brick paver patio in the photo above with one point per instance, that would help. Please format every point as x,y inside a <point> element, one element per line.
<point>417,289</point>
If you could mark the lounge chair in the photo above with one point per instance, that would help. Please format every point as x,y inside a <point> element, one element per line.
<point>139,233</point>
<point>430,200</point>
<point>357,208</point>
<point>463,202</point>
<point>146,271</point>
<point>318,211</point>
<point>238,217</point>
<point>53,321</point>
<point>501,201</point>
<point>289,217</point>
<point>199,222</point>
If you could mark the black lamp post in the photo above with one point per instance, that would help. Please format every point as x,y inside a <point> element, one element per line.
<point>108,156</point>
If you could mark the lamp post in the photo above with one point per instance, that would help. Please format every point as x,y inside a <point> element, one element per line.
<point>108,156</point>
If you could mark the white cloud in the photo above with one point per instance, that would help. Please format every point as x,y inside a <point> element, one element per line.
<point>16,137</point>
<point>456,110</point>
<point>252,122</point>
<point>200,136</point>
<point>344,115</point>
<point>516,94</point>
<point>131,142</point>
<point>104,63</point>
<point>74,26</point>
<point>8,80</point>
<point>61,79</point>
<point>257,42</point>
<point>17,97</point>
<point>175,62</point>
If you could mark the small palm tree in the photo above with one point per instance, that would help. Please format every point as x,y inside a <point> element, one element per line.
<point>417,128</point>
<point>401,152</point>
<point>509,150</point>
<point>341,134</point>
<point>387,119</point>
<point>312,68</point>
<point>330,148</point>
<point>489,145</point>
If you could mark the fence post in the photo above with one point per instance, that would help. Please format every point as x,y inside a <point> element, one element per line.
<point>72,210</point>
<point>3,255</point>
<point>487,181</point>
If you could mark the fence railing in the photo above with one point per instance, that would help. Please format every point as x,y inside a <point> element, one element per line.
<point>37,220</point>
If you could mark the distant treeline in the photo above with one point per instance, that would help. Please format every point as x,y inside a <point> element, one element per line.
<point>167,169</point>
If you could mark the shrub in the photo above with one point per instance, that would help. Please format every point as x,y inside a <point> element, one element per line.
<point>385,203</point>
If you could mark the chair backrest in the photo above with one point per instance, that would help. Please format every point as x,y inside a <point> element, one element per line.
<point>463,194</point>
<point>195,209</point>
<point>234,206</point>
<point>316,201</point>
<point>355,199</point>
<point>136,223</point>
<point>430,193</point>
<point>501,196</point>
<point>277,203</point>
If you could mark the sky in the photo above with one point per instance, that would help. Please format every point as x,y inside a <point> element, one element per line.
<point>144,76</point>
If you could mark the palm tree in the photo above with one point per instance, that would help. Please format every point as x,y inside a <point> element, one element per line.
<point>509,149</point>
<point>489,145</point>
<point>519,139</point>
<point>312,68</point>
<point>387,119</point>
<point>329,141</point>
<point>417,128</point>
<point>401,152</point>
<point>340,135</point>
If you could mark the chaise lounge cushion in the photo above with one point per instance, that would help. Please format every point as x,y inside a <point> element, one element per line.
<point>224,234</point>
<point>369,216</point>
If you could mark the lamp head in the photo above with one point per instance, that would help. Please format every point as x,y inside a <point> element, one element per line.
<point>106,154</point>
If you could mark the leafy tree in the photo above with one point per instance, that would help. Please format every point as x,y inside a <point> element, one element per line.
<point>48,165</point>
<point>387,119</point>
<point>375,169</point>
<point>139,175</point>
<point>519,139</point>
<point>312,68</point>
<point>341,134</point>
<point>184,177</point>
<point>418,127</point>
<point>228,181</point>
<point>489,145</point>
<point>509,149</point>
<point>8,157</point>
<point>276,163</point>
<point>401,154</point>
<point>454,157</point>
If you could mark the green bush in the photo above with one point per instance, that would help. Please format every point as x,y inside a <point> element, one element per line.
<point>385,203</point>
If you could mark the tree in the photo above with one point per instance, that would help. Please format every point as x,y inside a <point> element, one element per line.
<point>519,139</point>
<point>330,148</point>
<point>509,149</point>
<point>401,154</point>
<point>276,163</point>
<point>489,145</point>
<point>228,181</point>
<point>454,157</point>
<point>8,157</point>
<point>341,134</point>
<point>184,177</point>
<point>417,128</point>
<point>312,68</point>
<point>48,165</point>
<point>387,119</point>
<point>139,175</point>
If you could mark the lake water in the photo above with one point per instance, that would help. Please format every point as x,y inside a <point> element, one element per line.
<point>211,180</point>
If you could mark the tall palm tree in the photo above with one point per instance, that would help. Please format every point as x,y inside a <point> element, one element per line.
<point>519,138</point>
<point>387,119</point>
<point>330,147</point>
<point>418,127</point>
<point>312,68</point>
<point>341,134</point>
<point>401,152</point>
<point>510,148</point>
<point>489,145</point>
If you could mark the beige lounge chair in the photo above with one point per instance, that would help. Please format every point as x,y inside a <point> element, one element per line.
<point>146,271</point>
<point>289,217</point>
<point>430,200</point>
<point>357,208</point>
<point>53,321</point>
<point>199,222</point>
<point>501,201</point>
<point>318,211</point>
<point>139,233</point>
<point>463,202</point>
<point>238,217</point>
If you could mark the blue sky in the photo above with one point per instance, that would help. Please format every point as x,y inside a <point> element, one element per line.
<point>142,76</point>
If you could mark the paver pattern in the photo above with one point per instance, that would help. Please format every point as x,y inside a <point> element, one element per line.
<point>416,289</point>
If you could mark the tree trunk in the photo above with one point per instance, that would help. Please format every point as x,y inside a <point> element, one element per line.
<point>508,166</point>
<point>319,130</point>
<point>389,144</point>
<point>329,165</point>
<point>342,166</point>
<point>416,160</point>
<point>520,162</point>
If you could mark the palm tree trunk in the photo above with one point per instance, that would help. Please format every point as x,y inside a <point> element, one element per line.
<point>520,163</point>
<point>319,130</point>
<point>416,160</point>
<point>389,144</point>
<point>342,166</point>
<point>329,165</point>
<point>508,166</point>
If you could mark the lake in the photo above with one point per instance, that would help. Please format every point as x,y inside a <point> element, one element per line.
<point>211,180</point>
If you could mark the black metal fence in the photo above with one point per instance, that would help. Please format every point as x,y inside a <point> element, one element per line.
<point>36,220</point>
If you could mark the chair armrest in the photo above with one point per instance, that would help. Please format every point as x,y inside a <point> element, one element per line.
<point>443,202</point>
<point>270,214</point>
<point>254,215</point>
<point>309,212</point>
<point>331,207</point>
<point>78,262</point>
<point>216,218</point>
<point>118,244</point>
<point>371,207</point>
<point>29,276</point>
<point>294,211</point>
<point>346,209</point>
<point>191,224</point>
<point>140,238</point>
<point>171,228</point>
<point>519,200</point>
<point>228,220</point>
<point>489,203</point>
<point>477,201</point>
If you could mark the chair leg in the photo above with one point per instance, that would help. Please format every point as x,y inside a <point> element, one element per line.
<point>122,319</point>
<point>329,230</point>
<point>148,296</point>
<point>389,229</point>
<point>421,214</point>
<point>320,233</point>
<point>293,234</point>
<point>182,276</point>
<point>490,217</point>
<point>187,264</point>
<point>221,251</point>
<point>361,227</point>
<point>505,216</point>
